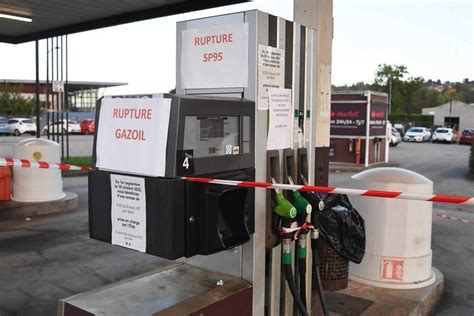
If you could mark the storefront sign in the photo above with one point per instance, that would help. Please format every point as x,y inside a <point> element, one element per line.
<point>132,135</point>
<point>128,211</point>
<point>271,72</point>
<point>332,150</point>
<point>348,119</point>
<point>215,57</point>
<point>378,119</point>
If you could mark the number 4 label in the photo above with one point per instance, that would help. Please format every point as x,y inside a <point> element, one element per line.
<point>184,162</point>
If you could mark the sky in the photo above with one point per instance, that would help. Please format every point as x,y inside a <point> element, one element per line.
<point>433,38</point>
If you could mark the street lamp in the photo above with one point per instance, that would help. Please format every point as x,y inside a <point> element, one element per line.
<point>390,95</point>
<point>451,92</point>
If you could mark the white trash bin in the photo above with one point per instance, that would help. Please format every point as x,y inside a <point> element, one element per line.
<point>398,232</point>
<point>32,184</point>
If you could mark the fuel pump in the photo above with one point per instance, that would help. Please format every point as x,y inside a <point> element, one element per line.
<point>136,196</point>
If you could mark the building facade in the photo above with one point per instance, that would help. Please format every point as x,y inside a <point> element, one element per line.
<point>455,114</point>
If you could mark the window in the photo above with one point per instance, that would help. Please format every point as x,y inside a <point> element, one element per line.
<point>12,121</point>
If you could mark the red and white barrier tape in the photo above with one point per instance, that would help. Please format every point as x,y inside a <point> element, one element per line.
<point>454,218</point>
<point>297,229</point>
<point>468,200</point>
<point>357,192</point>
<point>24,163</point>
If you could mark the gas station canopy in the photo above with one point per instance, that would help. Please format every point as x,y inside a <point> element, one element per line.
<point>27,20</point>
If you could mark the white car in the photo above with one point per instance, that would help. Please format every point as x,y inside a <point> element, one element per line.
<point>444,134</point>
<point>19,126</point>
<point>395,137</point>
<point>70,127</point>
<point>417,134</point>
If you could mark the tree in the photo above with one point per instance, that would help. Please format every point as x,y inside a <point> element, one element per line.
<point>404,92</point>
<point>13,103</point>
<point>408,94</point>
<point>385,73</point>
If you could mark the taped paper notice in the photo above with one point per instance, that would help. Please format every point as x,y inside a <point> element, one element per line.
<point>132,135</point>
<point>271,72</point>
<point>128,212</point>
<point>215,57</point>
<point>281,119</point>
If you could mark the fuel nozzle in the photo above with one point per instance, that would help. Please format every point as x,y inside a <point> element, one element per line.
<point>303,207</point>
<point>284,208</point>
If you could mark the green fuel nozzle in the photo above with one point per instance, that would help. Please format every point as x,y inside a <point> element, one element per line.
<point>284,208</point>
<point>302,206</point>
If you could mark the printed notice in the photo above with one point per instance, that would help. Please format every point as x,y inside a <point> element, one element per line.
<point>271,72</point>
<point>215,57</point>
<point>280,125</point>
<point>128,212</point>
<point>132,135</point>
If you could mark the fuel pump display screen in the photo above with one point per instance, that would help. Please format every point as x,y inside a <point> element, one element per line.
<point>212,127</point>
<point>212,135</point>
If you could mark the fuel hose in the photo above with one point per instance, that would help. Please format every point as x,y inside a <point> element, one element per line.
<point>286,262</point>
<point>318,206</point>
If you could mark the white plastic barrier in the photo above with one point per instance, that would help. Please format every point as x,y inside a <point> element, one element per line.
<point>398,232</point>
<point>33,184</point>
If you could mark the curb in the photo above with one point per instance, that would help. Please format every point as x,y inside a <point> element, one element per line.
<point>16,210</point>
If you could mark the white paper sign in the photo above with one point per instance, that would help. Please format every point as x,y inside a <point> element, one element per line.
<point>281,121</point>
<point>58,86</point>
<point>128,212</point>
<point>215,57</point>
<point>271,72</point>
<point>132,135</point>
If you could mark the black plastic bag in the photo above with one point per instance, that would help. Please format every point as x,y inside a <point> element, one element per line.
<point>342,227</point>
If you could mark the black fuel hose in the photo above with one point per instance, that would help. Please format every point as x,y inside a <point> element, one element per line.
<point>319,284</point>
<point>294,291</point>
<point>318,206</point>
<point>302,275</point>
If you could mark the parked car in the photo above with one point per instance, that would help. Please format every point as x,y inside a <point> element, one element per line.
<point>88,126</point>
<point>69,127</point>
<point>19,126</point>
<point>417,134</point>
<point>467,137</point>
<point>444,134</point>
<point>395,137</point>
<point>4,129</point>
<point>400,128</point>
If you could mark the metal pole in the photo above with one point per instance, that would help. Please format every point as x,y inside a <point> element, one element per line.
<point>52,94</point>
<point>450,111</point>
<point>67,99</point>
<point>62,106</point>
<point>37,91</point>
<point>390,96</point>
<point>47,87</point>
<point>57,93</point>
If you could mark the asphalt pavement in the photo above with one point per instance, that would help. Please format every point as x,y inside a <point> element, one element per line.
<point>46,258</point>
<point>447,166</point>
